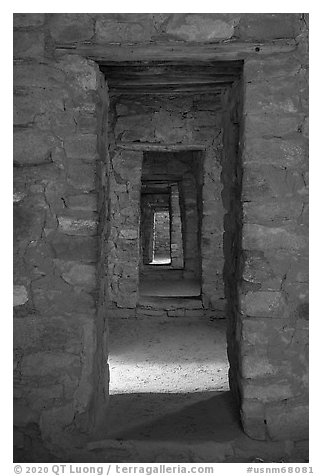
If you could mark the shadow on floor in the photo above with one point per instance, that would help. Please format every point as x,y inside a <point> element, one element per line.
<point>172,417</point>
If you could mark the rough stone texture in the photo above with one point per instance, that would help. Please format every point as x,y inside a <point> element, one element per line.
<point>56,106</point>
<point>20,295</point>
<point>69,27</point>
<point>60,340</point>
<point>123,246</point>
<point>202,28</point>
<point>273,283</point>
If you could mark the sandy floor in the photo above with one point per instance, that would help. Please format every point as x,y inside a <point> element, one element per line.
<point>168,382</point>
<point>167,357</point>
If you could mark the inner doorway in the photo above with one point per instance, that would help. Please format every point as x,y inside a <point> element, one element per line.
<point>161,238</point>
<point>171,214</point>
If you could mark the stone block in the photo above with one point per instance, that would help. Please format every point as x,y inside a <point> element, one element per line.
<point>268,124</point>
<point>55,333</point>
<point>127,296</point>
<point>290,151</point>
<point>299,270</point>
<point>70,27</point>
<point>28,223</point>
<point>202,27</point>
<point>121,313</point>
<point>253,419</point>
<point>176,313</point>
<point>275,211</point>
<point>18,196</point>
<point>62,302</point>
<point>268,26</point>
<point>270,184</point>
<point>278,95</point>
<point>258,70</point>
<point>254,365</point>
<point>256,268</point>
<point>37,75</point>
<point>23,20</point>
<point>82,74</point>
<point>77,226</point>
<point>75,248</point>
<point>127,167</point>
<point>265,333</point>
<point>305,127</point>
<point>87,123</point>
<point>81,176</point>
<point>84,391</point>
<point>26,332</point>
<point>81,146</point>
<point>70,383</point>
<point>44,397</point>
<point>61,123</point>
<point>129,233</point>
<point>23,415</point>
<point>32,147</point>
<point>30,103</point>
<point>20,295</point>
<point>77,274</point>
<point>43,364</point>
<point>264,304</point>
<point>86,201</point>
<point>38,258</point>
<point>28,44</point>
<point>264,238</point>
<point>288,421</point>
<point>111,30</point>
<point>54,420</point>
<point>18,439</point>
<point>134,128</point>
<point>267,391</point>
<point>150,312</point>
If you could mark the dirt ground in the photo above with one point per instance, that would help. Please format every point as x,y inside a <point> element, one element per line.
<point>165,379</point>
<point>176,356</point>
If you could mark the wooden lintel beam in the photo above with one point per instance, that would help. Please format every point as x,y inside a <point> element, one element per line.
<point>214,90</point>
<point>169,84</point>
<point>175,51</point>
<point>148,146</point>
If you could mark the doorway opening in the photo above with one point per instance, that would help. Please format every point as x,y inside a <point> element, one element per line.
<point>161,238</point>
<point>174,151</point>
<point>171,215</point>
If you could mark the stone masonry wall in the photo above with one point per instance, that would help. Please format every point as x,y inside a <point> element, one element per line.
<point>184,120</point>
<point>274,283</point>
<point>269,341</point>
<point>58,146</point>
<point>151,203</point>
<point>58,115</point>
<point>124,238</point>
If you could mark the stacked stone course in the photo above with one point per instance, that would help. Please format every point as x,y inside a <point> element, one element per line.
<point>65,195</point>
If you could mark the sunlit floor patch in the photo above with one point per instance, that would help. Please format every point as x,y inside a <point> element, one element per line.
<point>169,357</point>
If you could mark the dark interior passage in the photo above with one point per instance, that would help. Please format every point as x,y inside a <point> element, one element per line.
<point>161,238</point>
<point>170,224</point>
